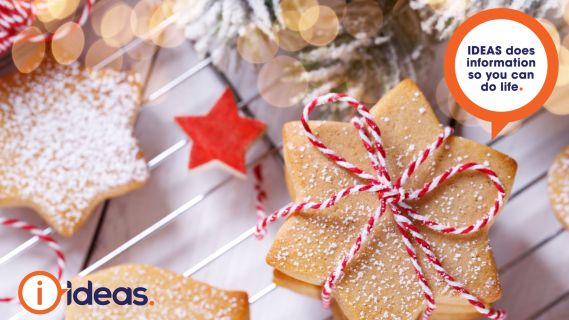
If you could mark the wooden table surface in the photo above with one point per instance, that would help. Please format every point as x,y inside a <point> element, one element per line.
<point>534,263</point>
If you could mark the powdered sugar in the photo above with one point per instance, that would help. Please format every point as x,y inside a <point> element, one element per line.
<point>67,141</point>
<point>173,297</point>
<point>380,283</point>
<point>559,186</point>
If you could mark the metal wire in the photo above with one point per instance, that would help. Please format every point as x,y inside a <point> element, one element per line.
<point>250,232</point>
<point>263,293</point>
<point>178,80</point>
<point>153,96</point>
<point>219,252</point>
<point>164,221</point>
<point>156,226</point>
<point>21,248</point>
<point>138,41</point>
<point>154,162</point>
<point>245,235</point>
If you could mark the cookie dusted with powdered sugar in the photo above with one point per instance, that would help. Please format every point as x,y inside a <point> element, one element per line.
<point>170,296</point>
<point>66,141</point>
<point>381,281</point>
<point>558,183</point>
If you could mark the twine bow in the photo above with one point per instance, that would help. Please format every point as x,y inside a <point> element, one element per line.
<point>392,195</point>
<point>35,231</point>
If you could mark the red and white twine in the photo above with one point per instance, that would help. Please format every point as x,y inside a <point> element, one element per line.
<point>261,196</point>
<point>35,231</point>
<point>392,195</point>
<point>17,15</point>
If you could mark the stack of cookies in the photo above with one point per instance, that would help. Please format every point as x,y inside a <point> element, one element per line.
<point>380,282</point>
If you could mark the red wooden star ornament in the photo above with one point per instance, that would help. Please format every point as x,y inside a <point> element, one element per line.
<point>221,136</point>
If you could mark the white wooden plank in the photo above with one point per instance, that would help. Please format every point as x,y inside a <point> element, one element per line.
<point>559,311</point>
<point>534,217</point>
<point>538,280</point>
<point>535,146</point>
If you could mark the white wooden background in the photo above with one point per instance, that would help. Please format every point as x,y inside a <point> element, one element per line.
<point>534,262</point>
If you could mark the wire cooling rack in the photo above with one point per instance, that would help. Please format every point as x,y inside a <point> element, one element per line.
<point>521,190</point>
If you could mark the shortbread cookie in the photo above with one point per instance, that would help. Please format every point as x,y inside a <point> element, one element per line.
<point>380,283</point>
<point>66,141</point>
<point>446,310</point>
<point>170,296</point>
<point>558,183</point>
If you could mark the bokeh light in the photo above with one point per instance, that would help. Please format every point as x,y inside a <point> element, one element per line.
<point>563,75</point>
<point>280,83</point>
<point>292,11</point>
<point>323,29</point>
<point>28,55</point>
<point>291,41</point>
<point>50,12</point>
<point>42,12</point>
<point>140,17</point>
<point>552,30</point>
<point>61,9</point>
<point>99,51</point>
<point>115,25</point>
<point>256,46</point>
<point>171,36</point>
<point>557,101</point>
<point>566,14</point>
<point>96,16</point>
<point>68,43</point>
<point>363,17</point>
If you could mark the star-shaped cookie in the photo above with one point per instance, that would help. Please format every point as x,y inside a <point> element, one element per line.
<point>170,296</point>
<point>380,283</point>
<point>66,141</point>
<point>222,136</point>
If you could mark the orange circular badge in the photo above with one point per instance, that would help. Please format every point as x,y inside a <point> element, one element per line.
<point>501,65</point>
<point>40,292</point>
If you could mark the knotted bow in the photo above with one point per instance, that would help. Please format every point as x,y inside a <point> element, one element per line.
<point>392,194</point>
